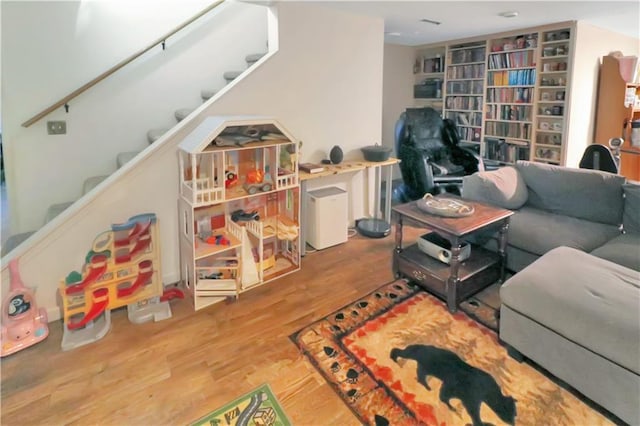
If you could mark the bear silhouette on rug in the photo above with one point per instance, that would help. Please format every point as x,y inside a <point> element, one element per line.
<point>459,380</point>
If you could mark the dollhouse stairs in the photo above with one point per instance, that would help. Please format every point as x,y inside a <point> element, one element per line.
<point>124,157</point>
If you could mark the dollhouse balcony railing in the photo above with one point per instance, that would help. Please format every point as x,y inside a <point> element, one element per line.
<point>205,192</point>
<point>286,181</point>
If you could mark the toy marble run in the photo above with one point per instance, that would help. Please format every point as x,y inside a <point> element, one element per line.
<point>23,324</point>
<point>121,269</point>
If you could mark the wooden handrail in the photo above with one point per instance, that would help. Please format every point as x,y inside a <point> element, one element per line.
<point>116,67</point>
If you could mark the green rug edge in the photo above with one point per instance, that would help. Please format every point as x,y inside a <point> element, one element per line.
<point>275,403</point>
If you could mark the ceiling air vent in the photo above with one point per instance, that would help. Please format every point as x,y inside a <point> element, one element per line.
<point>430,21</point>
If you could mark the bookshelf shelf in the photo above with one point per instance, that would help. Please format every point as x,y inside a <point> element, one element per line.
<point>546,160</point>
<point>510,121</point>
<point>514,85</point>
<point>557,132</point>
<point>430,74</point>
<point>542,145</point>
<point>553,42</point>
<point>509,103</point>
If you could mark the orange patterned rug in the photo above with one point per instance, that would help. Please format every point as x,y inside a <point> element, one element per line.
<point>398,357</point>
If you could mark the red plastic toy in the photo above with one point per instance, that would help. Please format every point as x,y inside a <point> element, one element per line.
<point>231,179</point>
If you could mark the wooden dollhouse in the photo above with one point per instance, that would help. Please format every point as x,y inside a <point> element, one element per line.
<point>239,206</point>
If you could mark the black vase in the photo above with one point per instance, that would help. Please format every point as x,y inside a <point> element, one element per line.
<point>336,155</point>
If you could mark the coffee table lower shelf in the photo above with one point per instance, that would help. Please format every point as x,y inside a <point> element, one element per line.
<point>480,270</point>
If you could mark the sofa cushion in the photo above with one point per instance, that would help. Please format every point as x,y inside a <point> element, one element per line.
<point>623,250</point>
<point>586,194</point>
<point>631,211</point>
<point>538,231</point>
<point>503,187</point>
<point>587,300</point>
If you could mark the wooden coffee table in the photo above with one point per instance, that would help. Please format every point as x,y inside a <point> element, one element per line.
<point>458,280</point>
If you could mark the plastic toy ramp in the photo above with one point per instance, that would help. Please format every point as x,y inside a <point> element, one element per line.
<point>145,271</point>
<point>171,293</point>
<point>141,245</point>
<point>138,230</point>
<point>100,299</point>
<point>97,267</point>
<point>92,332</point>
<point>136,225</point>
<point>153,309</point>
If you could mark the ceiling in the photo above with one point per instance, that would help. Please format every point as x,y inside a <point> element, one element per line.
<point>462,19</point>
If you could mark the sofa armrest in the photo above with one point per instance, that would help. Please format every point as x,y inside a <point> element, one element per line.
<point>503,187</point>
<point>631,209</point>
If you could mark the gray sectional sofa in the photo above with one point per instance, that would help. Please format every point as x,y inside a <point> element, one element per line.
<point>573,305</point>
<point>559,206</point>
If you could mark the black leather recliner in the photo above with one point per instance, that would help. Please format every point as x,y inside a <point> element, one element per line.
<point>431,159</point>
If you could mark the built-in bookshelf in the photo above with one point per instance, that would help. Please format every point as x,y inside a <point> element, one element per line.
<point>428,71</point>
<point>464,90</point>
<point>511,79</point>
<point>553,69</point>
<point>509,93</point>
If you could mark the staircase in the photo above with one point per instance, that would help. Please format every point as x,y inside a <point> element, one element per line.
<point>124,157</point>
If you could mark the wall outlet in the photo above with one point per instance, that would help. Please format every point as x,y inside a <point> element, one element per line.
<point>57,127</point>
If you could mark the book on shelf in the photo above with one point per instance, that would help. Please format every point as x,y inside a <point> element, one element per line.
<point>311,167</point>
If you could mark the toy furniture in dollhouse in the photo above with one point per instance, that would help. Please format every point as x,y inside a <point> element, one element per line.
<point>239,206</point>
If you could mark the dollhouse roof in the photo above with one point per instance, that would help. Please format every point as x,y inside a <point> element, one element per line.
<point>211,127</point>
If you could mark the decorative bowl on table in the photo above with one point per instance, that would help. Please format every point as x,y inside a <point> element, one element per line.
<point>446,207</point>
<point>376,152</point>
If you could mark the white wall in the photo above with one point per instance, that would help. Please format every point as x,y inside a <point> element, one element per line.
<point>324,85</point>
<point>592,43</point>
<point>52,48</point>
<point>397,90</point>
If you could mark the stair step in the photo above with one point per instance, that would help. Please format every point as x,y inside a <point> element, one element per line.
<point>231,75</point>
<point>207,94</point>
<point>253,58</point>
<point>55,209</point>
<point>92,182</point>
<point>155,134</point>
<point>182,113</point>
<point>124,157</point>
<point>14,241</point>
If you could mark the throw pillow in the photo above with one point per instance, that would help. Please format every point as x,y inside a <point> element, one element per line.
<point>503,187</point>
<point>631,211</point>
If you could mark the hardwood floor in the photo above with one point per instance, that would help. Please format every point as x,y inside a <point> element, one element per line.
<point>175,371</point>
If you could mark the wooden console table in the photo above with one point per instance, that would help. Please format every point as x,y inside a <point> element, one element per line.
<point>457,280</point>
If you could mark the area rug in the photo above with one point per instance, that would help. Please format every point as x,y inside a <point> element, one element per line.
<point>397,356</point>
<point>258,407</point>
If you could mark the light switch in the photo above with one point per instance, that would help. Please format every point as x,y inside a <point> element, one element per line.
<point>57,127</point>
